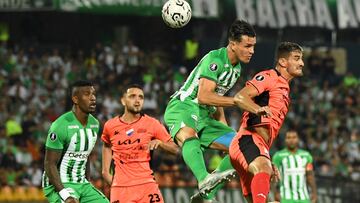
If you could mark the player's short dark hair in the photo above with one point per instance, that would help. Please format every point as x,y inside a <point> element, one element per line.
<point>285,48</point>
<point>239,28</point>
<point>80,83</point>
<point>127,87</point>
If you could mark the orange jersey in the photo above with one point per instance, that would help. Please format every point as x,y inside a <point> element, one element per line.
<point>273,92</point>
<point>129,143</point>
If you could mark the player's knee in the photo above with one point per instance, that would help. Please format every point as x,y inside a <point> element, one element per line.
<point>260,165</point>
<point>184,134</point>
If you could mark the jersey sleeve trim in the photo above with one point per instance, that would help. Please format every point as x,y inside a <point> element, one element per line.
<point>254,86</point>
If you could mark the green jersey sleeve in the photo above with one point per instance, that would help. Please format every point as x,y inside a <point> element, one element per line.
<point>56,137</point>
<point>210,68</point>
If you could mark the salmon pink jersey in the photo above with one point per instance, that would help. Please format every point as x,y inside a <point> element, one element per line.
<point>273,92</point>
<point>129,143</point>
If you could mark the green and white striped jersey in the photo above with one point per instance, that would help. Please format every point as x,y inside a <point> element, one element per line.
<point>293,167</point>
<point>76,142</point>
<point>214,66</point>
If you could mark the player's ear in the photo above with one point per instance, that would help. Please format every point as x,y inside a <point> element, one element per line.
<point>75,99</point>
<point>122,100</point>
<point>282,62</point>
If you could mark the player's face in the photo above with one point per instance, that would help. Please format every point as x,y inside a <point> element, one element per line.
<point>295,64</point>
<point>133,100</point>
<point>86,99</point>
<point>244,49</point>
<point>291,140</point>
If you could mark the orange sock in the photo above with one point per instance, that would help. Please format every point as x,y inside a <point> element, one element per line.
<point>260,187</point>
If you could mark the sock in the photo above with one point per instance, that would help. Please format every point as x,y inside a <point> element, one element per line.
<point>260,187</point>
<point>194,158</point>
<point>224,165</point>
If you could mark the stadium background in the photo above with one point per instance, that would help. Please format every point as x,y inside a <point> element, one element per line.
<point>47,44</point>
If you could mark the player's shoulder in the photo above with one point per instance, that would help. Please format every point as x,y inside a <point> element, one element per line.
<point>217,55</point>
<point>303,152</point>
<point>93,119</point>
<point>112,122</point>
<point>64,119</point>
<point>149,119</point>
<point>268,73</point>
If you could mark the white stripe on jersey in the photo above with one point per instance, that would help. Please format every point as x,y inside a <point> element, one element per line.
<point>301,177</point>
<point>293,178</point>
<point>82,140</point>
<point>90,136</point>
<point>286,179</point>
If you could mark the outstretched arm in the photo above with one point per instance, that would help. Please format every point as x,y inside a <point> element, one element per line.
<point>168,146</point>
<point>207,95</point>
<point>244,100</point>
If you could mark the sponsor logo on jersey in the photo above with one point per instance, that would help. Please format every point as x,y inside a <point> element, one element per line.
<point>78,155</point>
<point>259,78</point>
<point>94,126</point>
<point>128,142</point>
<point>73,127</point>
<point>213,67</point>
<point>53,136</point>
<point>221,90</point>
<point>129,132</point>
<point>116,132</point>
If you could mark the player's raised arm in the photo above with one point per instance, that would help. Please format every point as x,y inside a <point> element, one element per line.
<point>208,96</point>
<point>163,139</point>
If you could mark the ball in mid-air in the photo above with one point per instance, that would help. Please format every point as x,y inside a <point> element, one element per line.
<point>176,13</point>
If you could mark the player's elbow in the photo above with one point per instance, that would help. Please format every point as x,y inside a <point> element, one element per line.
<point>239,99</point>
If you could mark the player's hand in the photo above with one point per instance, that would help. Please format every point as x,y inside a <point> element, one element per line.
<point>275,176</point>
<point>71,200</point>
<point>154,144</point>
<point>264,111</point>
<point>108,178</point>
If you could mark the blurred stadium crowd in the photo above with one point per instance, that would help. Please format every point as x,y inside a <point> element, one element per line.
<point>33,87</point>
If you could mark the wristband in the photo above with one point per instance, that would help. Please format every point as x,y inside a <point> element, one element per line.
<point>65,193</point>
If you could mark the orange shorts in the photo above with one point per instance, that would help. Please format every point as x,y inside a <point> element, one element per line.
<point>144,193</point>
<point>243,150</point>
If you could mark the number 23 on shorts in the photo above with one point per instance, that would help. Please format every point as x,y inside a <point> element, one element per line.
<point>154,198</point>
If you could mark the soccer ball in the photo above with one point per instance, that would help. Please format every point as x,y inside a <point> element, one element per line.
<point>176,13</point>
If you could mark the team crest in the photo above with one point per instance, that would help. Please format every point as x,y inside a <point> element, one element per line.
<point>213,67</point>
<point>53,136</point>
<point>259,78</point>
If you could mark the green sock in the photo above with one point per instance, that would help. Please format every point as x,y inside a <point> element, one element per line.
<point>224,165</point>
<point>194,158</point>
